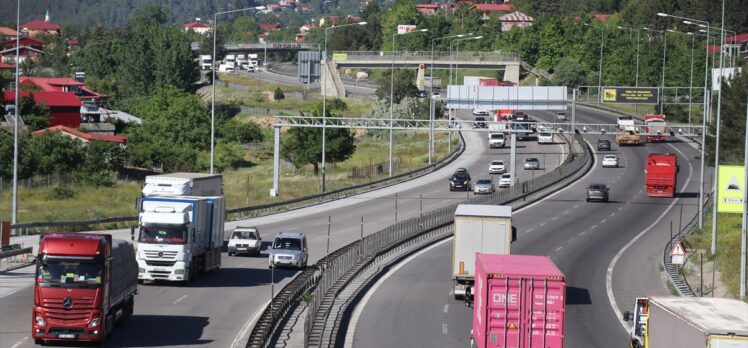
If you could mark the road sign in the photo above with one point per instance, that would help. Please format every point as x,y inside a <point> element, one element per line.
<point>730,186</point>
<point>405,28</point>
<point>678,253</point>
<point>631,95</point>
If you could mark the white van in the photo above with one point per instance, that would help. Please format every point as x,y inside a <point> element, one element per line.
<point>496,140</point>
<point>289,249</point>
<point>545,137</point>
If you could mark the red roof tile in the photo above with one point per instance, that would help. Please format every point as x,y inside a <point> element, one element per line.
<point>8,31</point>
<point>493,7</point>
<point>39,24</point>
<point>85,136</point>
<point>740,38</point>
<point>6,66</point>
<point>57,83</point>
<point>602,17</point>
<point>24,41</point>
<point>57,99</point>
<point>196,25</point>
<point>269,26</point>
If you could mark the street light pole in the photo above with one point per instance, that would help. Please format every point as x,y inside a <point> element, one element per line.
<point>431,95</point>
<point>392,91</point>
<point>213,81</point>
<point>14,214</point>
<point>324,106</point>
<point>600,68</point>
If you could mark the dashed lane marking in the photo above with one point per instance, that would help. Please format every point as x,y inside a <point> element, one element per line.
<point>446,308</point>
<point>19,343</point>
<point>444,329</point>
<point>179,299</point>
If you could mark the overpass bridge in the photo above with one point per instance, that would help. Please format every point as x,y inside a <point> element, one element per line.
<point>257,47</point>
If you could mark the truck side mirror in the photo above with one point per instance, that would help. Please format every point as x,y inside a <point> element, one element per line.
<point>132,232</point>
<point>514,234</point>
<point>672,134</point>
<point>627,316</point>
<point>139,203</point>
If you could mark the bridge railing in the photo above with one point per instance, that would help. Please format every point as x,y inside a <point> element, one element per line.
<point>232,46</point>
<point>425,56</point>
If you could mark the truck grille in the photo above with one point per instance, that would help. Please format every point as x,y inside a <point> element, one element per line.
<point>68,316</point>
<point>160,274</point>
<point>160,263</point>
<point>154,254</point>
<point>56,303</point>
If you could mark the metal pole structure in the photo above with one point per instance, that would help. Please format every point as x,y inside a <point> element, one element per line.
<point>14,214</point>
<point>703,153</point>
<point>662,88</point>
<point>276,162</point>
<point>431,92</point>
<point>573,109</point>
<point>600,73</point>
<point>690,81</point>
<point>719,125</point>
<point>745,199</point>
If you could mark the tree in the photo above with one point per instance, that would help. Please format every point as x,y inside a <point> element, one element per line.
<point>241,132</point>
<point>278,95</point>
<point>55,153</point>
<point>101,161</point>
<point>732,133</point>
<point>35,116</point>
<point>404,85</point>
<point>303,145</point>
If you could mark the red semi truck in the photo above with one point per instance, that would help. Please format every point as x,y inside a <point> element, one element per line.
<point>656,128</point>
<point>84,284</point>
<point>519,302</point>
<point>661,174</point>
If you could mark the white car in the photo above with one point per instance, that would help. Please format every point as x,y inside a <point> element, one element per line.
<point>497,167</point>
<point>245,240</point>
<point>480,112</point>
<point>505,180</point>
<point>610,161</point>
<point>545,138</point>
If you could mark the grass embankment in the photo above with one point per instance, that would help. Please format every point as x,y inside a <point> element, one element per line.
<point>242,187</point>
<point>728,248</point>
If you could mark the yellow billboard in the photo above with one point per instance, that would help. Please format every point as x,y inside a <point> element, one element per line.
<point>340,57</point>
<point>730,189</point>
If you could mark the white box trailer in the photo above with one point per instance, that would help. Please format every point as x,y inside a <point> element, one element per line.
<point>183,184</point>
<point>485,229</point>
<point>697,322</point>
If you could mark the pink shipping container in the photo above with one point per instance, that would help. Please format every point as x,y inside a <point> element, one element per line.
<point>519,302</point>
<point>488,82</point>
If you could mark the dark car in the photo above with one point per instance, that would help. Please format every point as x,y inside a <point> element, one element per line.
<point>597,192</point>
<point>459,181</point>
<point>480,122</point>
<point>603,145</point>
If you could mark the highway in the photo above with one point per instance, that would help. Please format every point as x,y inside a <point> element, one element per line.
<point>414,306</point>
<point>219,310</point>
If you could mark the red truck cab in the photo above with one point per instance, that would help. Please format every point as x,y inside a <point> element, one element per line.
<point>661,174</point>
<point>83,284</point>
<point>656,128</point>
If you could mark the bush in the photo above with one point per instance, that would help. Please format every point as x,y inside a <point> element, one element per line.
<point>278,95</point>
<point>61,192</point>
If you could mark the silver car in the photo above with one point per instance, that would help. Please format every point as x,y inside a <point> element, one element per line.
<point>484,186</point>
<point>245,240</point>
<point>289,249</point>
<point>532,163</point>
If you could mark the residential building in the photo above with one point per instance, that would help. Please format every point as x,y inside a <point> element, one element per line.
<point>28,49</point>
<point>198,27</point>
<point>427,9</point>
<point>8,32</point>
<point>62,84</point>
<point>488,9</point>
<point>38,26</point>
<point>515,19</point>
<point>64,107</point>
<point>85,138</point>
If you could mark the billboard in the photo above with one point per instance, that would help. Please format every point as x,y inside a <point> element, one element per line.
<point>631,95</point>
<point>725,73</point>
<point>730,189</point>
<point>340,57</point>
<point>405,28</point>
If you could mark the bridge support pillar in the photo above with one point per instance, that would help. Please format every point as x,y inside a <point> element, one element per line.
<point>329,77</point>
<point>511,73</point>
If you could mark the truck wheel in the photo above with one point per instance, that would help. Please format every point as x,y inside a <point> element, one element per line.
<point>458,297</point>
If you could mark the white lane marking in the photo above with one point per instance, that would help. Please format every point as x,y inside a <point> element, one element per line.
<point>444,329</point>
<point>180,299</point>
<point>620,208</point>
<point>609,275</point>
<point>350,334</point>
<point>612,214</point>
<point>603,221</point>
<point>529,230</point>
<point>576,206</point>
<point>451,291</point>
<point>242,265</point>
<point>570,240</point>
<point>239,339</point>
<point>566,212</point>
<point>446,308</point>
<point>19,343</point>
<point>593,227</point>
<point>542,224</point>
<point>582,233</point>
<point>559,248</point>
<point>554,218</point>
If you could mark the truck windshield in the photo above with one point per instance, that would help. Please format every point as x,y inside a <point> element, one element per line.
<point>244,235</point>
<point>69,273</point>
<point>167,234</point>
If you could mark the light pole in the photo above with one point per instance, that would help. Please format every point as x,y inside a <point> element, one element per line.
<point>213,81</point>
<point>690,80</point>
<point>600,70</point>
<point>392,90</point>
<point>636,106</point>
<point>14,214</point>
<point>664,55</point>
<point>457,48</point>
<point>431,94</point>
<point>324,103</point>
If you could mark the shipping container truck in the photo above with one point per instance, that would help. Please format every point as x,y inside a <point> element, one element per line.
<point>84,283</point>
<point>656,128</point>
<point>519,302</point>
<point>661,174</point>
<point>183,184</point>
<point>688,322</point>
<point>179,237</point>
<point>478,229</point>
<point>206,62</point>
<point>628,131</point>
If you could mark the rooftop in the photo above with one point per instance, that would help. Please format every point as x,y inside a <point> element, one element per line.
<point>714,315</point>
<point>39,24</point>
<point>86,136</point>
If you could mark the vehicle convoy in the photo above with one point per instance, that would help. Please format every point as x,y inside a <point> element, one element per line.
<point>478,229</point>
<point>84,284</point>
<point>661,174</point>
<point>688,322</point>
<point>181,234</point>
<point>519,302</point>
<point>656,128</point>
<point>206,62</point>
<point>628,131</point>
<point>245,240</point>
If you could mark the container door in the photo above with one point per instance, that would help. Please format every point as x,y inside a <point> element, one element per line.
<point>468,240</point>
<point>503,312</point>
<point>543,319</point>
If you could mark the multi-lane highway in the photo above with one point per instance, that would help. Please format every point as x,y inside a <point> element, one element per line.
<point>219,309</point>
<point>610,254</point>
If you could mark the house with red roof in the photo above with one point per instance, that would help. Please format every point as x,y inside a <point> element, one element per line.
<point>427,9</point>
<point>7,32</point>
<point>515,19</point>
<point>306,27</point>
<point>738,44</point>
<point>28,49</point>
<point>64,107</point>
<point>488,9</point>
<point>22,42</point>
<point>62,84</point>
<point>269,26</point>
<point>38,26</point>
<point>85,138</point>
<point>198,27</point>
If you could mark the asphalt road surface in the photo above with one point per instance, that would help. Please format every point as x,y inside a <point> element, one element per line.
<point>414,305</point>
<point>220,308</point>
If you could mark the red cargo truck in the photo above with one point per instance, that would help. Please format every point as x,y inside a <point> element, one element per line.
<point>661,174</point>
<point>519,302</point>
<point>656,128</point>
<point>84,284</point>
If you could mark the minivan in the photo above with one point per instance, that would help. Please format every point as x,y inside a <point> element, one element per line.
<point>289,249</point>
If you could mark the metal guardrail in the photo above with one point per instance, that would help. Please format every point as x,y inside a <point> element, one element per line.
<point>425,56</point>
<point>262,209</point>
<point>321,282</point>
